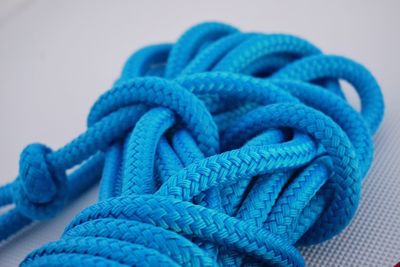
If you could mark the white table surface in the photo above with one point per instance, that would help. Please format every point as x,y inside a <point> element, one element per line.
<point>56,57</point>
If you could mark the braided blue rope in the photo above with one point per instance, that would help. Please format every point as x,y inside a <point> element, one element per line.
<point>224,148</point>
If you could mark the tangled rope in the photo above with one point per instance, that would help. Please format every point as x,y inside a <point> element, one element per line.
<point>224,148</point>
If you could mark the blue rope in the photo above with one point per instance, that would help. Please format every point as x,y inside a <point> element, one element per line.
<point>224,148</point>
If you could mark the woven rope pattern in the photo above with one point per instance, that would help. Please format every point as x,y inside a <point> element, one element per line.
<point>225,148</point>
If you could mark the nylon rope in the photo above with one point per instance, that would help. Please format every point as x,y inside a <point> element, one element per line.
<point>225,148</point>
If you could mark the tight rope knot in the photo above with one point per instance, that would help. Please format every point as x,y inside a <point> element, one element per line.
<point>41,190</point>
<point>225,148</point>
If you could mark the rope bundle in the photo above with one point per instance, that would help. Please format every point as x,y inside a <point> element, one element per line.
<point>224,148</point>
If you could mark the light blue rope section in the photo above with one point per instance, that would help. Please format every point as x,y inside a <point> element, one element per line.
<point>225,148</point>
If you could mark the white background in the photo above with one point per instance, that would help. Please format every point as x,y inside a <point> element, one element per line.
<point>56,57</point>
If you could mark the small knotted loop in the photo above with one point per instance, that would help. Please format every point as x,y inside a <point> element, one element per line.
<point>41,189</point>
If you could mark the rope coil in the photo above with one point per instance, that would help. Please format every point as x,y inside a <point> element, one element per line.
<point>225,148</point>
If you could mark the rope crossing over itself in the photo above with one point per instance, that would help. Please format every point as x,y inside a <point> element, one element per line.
<point>225,148</point>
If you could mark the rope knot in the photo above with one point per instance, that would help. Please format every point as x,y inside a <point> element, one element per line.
<point>225,148</point>
<point>41,188</point>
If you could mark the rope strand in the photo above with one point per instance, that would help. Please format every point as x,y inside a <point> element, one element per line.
<point>225,148</point>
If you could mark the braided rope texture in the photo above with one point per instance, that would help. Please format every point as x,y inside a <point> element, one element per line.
<point>225,148</point>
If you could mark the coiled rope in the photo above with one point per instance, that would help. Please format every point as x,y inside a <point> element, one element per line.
<point>224,148</point>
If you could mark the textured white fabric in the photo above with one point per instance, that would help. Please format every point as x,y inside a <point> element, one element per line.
<point>63,54</point>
